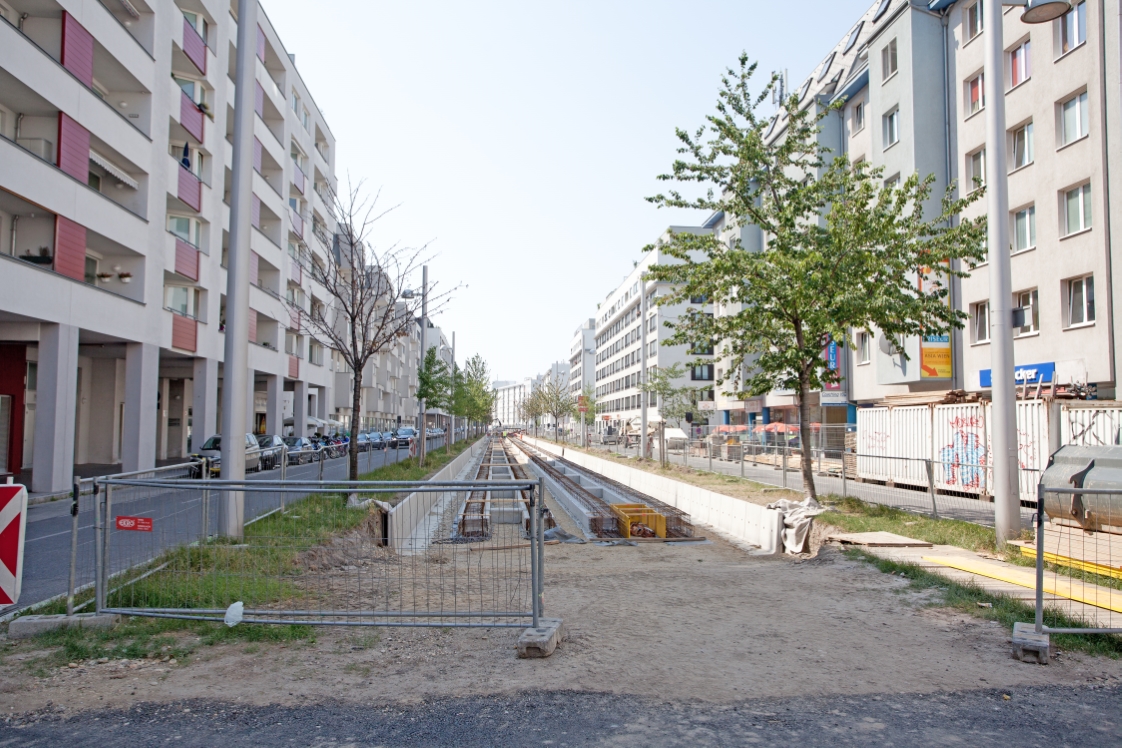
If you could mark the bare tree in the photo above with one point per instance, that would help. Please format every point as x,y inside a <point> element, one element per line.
<point>370,304</point>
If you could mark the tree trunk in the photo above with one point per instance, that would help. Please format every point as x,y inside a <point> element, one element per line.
<point>356,405</point>
<point>804,439</point>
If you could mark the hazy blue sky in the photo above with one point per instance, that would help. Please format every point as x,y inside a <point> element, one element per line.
<point>520,138</point>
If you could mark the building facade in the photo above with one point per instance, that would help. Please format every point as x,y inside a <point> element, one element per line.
<point>115,121</point>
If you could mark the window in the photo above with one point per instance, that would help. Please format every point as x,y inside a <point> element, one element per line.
<point>1072,28</point>
<point>1022,154</point>
<point>976,168</point>
<point>1073,119</point>
<point>859,117</point>
<point>826,66</point>
<point>892,128</point>
<point>1077,209</point>
<point>94,181</point>
<point>198,23</point>
<point>188,157</point>
<point>981,322</point>
<point>1027,301</point>
<point>853,35</point>
<point>975,94</point>
<point>182,300</point>
<point>295,101</point>
<point>892,182</point>
<point>703,373</point>
<point>1024,229</point>
<point>1020,64</point>
<point>187,229</point>
<point>91,270</point>
<point>881,10</point>
<point>888,61</point>
<point>863,355</point>
<point>307,120</point>
<point>1081,301</point>
<point>974,21</point>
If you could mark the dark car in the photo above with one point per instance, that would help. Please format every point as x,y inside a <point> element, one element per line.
<point>300,450</point>
<point>272,447</point>
<point>389,438</point>
<point>362,443</point>
<point>377,441</point>
<point>405,437</point>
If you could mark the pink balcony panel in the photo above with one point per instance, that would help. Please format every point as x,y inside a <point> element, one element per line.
<point>184,332</point>
<point>293,367</point>
<point>252,325</point>
<point>257,212</point>
<point>194,46</point>
<point>70,248</point>
<point>190,189</point>
<point>296,273</point>
<point>260,44</point>
<point>191,117</point>
<point>73,148</point>
<point>298,178</point>
<point>258,151</point>
<point>77,49</point>
<point>297,224</point>
<point>293,319</point>
<point>186,260</point>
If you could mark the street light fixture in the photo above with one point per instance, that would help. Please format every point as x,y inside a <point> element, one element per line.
<point>1006,486</point>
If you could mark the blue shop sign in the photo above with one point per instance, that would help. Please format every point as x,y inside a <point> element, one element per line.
<point>1027,374</point>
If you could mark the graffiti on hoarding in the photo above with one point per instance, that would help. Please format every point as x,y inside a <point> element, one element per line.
<point>963,459</point>
<point>874,442</point>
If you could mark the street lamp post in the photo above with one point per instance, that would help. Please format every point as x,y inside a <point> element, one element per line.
<point>1006,491</point>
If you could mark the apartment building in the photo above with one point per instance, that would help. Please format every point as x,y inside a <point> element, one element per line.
<point>116,122</point>
<point>908,76</point>
<point>620,353</point>
<point>582,358</point>
<point>509,397</point>
<point>388,396</point>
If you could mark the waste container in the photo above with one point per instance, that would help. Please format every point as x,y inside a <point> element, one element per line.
<point>1097,467</point>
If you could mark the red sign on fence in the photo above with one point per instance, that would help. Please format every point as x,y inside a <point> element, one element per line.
<point>141,524</point>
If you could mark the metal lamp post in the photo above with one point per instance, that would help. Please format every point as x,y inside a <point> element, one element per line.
<point>1006,491</point>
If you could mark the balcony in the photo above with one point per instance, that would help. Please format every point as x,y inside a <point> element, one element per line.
<point>297,223</point>
<point>194,46</point>
<point>293,367</point>
<point>184,332</point>
<point>189,188</point>
<point>186,259</point>
<point>298,180</point>
<point>191,116</point>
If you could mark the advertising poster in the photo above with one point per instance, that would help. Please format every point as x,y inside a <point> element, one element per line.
<point>935,360</point>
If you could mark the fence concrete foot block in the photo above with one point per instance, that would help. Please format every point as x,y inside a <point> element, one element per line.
<point>1029,646</point>
<point>541,642</point>
<point>26,627</point>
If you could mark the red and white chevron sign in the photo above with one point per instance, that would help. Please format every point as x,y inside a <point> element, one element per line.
<point>13,523</point>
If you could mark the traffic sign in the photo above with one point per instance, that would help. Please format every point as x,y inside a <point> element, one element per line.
<point>13,524</point>
<point>137,524</point>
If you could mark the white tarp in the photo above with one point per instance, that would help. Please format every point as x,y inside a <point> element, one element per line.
<point>798,516</point>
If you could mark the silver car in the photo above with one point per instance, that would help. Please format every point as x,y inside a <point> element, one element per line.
<point>212,450</point>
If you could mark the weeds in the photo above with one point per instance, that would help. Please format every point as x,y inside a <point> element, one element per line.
<point>853,515</point>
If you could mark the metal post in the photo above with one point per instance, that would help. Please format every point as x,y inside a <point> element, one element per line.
<point>1004,429</point>
<point>644,397</point>
<point>1040,558</point>
<point>321,454</point>
<point>709,446</point>
<point>741,459</point>
<point>424,352</point>
<point>784,465</point>
<point>106,533</point>
<point>284,463</point>
<point>845,484</point>
<point>534,520</point>
<point>73,548</point>
<point>541,551</point>
<point>99,551</point>
<point>236,367</point>
<point>206,500</point>
<point>931,487</point>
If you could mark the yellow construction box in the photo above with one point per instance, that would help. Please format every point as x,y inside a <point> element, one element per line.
<point>629,514</point>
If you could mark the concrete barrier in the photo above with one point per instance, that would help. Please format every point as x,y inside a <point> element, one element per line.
<point>739,521</point>
<point>407,516</point>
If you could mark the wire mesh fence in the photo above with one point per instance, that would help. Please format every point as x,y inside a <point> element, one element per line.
<point>1077,549</point>
<point>446,553</point>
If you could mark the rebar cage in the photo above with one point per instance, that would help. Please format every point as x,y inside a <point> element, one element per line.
<point>364,553</point>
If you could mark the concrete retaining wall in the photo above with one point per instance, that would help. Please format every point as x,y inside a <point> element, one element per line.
<point>408,514</point>
<point>737,520</point>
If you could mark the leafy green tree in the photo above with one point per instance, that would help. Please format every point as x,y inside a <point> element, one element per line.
<point>557,402</point>
<point>434,385</point>
<point>532,408</point>
<point>841,251</point>
<point>671,401</point>
<point>476,399</point>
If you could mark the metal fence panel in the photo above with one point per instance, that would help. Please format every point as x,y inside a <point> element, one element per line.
<point>910,428</point>
<point>874,442</point>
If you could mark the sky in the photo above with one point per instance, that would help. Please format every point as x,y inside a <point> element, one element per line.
<point>518,140</point>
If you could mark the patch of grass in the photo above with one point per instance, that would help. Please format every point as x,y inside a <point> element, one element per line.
<point>360,669</point>
<point>853,515</point>
<point>409,469</point>
<point>1005,610</point>
<point>363,641</point>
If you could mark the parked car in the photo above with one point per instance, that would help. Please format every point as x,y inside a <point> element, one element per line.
<point>212,450</point>
<point>404,438</point>
<point>300,450</point>
<point>610,436</point>
<point>272,447</point>
<point>390,438</point>
<point>377,441</point>
<point>362,442</point>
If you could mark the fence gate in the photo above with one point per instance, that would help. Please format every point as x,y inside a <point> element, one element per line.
<point>320,553</point>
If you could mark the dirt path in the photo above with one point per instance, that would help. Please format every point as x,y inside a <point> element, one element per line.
<point>677,622</point>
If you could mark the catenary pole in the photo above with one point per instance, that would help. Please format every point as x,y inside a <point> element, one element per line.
<point>235,371</point>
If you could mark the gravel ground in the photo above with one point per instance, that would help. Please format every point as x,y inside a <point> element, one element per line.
<point>1051,716</point>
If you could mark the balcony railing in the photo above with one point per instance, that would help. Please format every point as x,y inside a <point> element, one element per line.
<point>194,46</point>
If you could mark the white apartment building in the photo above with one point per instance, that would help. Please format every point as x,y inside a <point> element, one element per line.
<point>909,76</point>
<point>508,401</point>
<point>115,167</point>
<point>582,358</point>
<point>388,397</point>
<point>620,354</point>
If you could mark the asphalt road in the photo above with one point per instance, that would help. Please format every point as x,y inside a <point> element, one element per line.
<point>1051,717</point>
<point>46,564</point>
